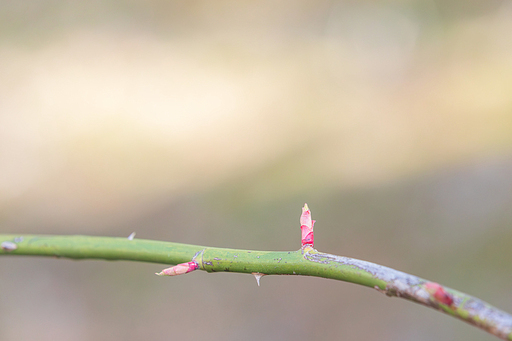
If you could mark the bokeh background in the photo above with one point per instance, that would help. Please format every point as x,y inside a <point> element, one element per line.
<point>212,122</point>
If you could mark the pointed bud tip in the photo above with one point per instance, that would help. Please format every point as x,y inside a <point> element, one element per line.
<point>305,208</point>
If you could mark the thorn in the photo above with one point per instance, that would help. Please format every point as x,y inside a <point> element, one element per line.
<point>131,236</point>
<point>258,276</point>
<point>8,246</point>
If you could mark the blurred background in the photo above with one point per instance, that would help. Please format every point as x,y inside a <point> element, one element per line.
<point>212,123</point>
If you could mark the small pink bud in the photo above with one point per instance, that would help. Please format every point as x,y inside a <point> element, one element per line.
<point>179,269</point>
<point>306,226</point>
<point>439,294</point>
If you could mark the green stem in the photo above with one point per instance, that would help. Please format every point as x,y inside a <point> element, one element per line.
<point>306,261</point>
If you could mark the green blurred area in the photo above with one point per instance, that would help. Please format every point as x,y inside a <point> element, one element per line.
<point>212,123</point>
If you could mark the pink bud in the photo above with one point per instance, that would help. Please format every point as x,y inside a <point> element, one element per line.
<point>179,269</point>
<point>306,225</point>
<point>439,294</point>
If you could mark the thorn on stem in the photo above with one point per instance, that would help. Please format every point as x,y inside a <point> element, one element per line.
<point>179,269</point>
<point>258,276</point>
<point>131,236</point>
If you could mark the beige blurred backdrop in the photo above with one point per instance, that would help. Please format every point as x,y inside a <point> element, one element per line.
<point>212,122</point>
